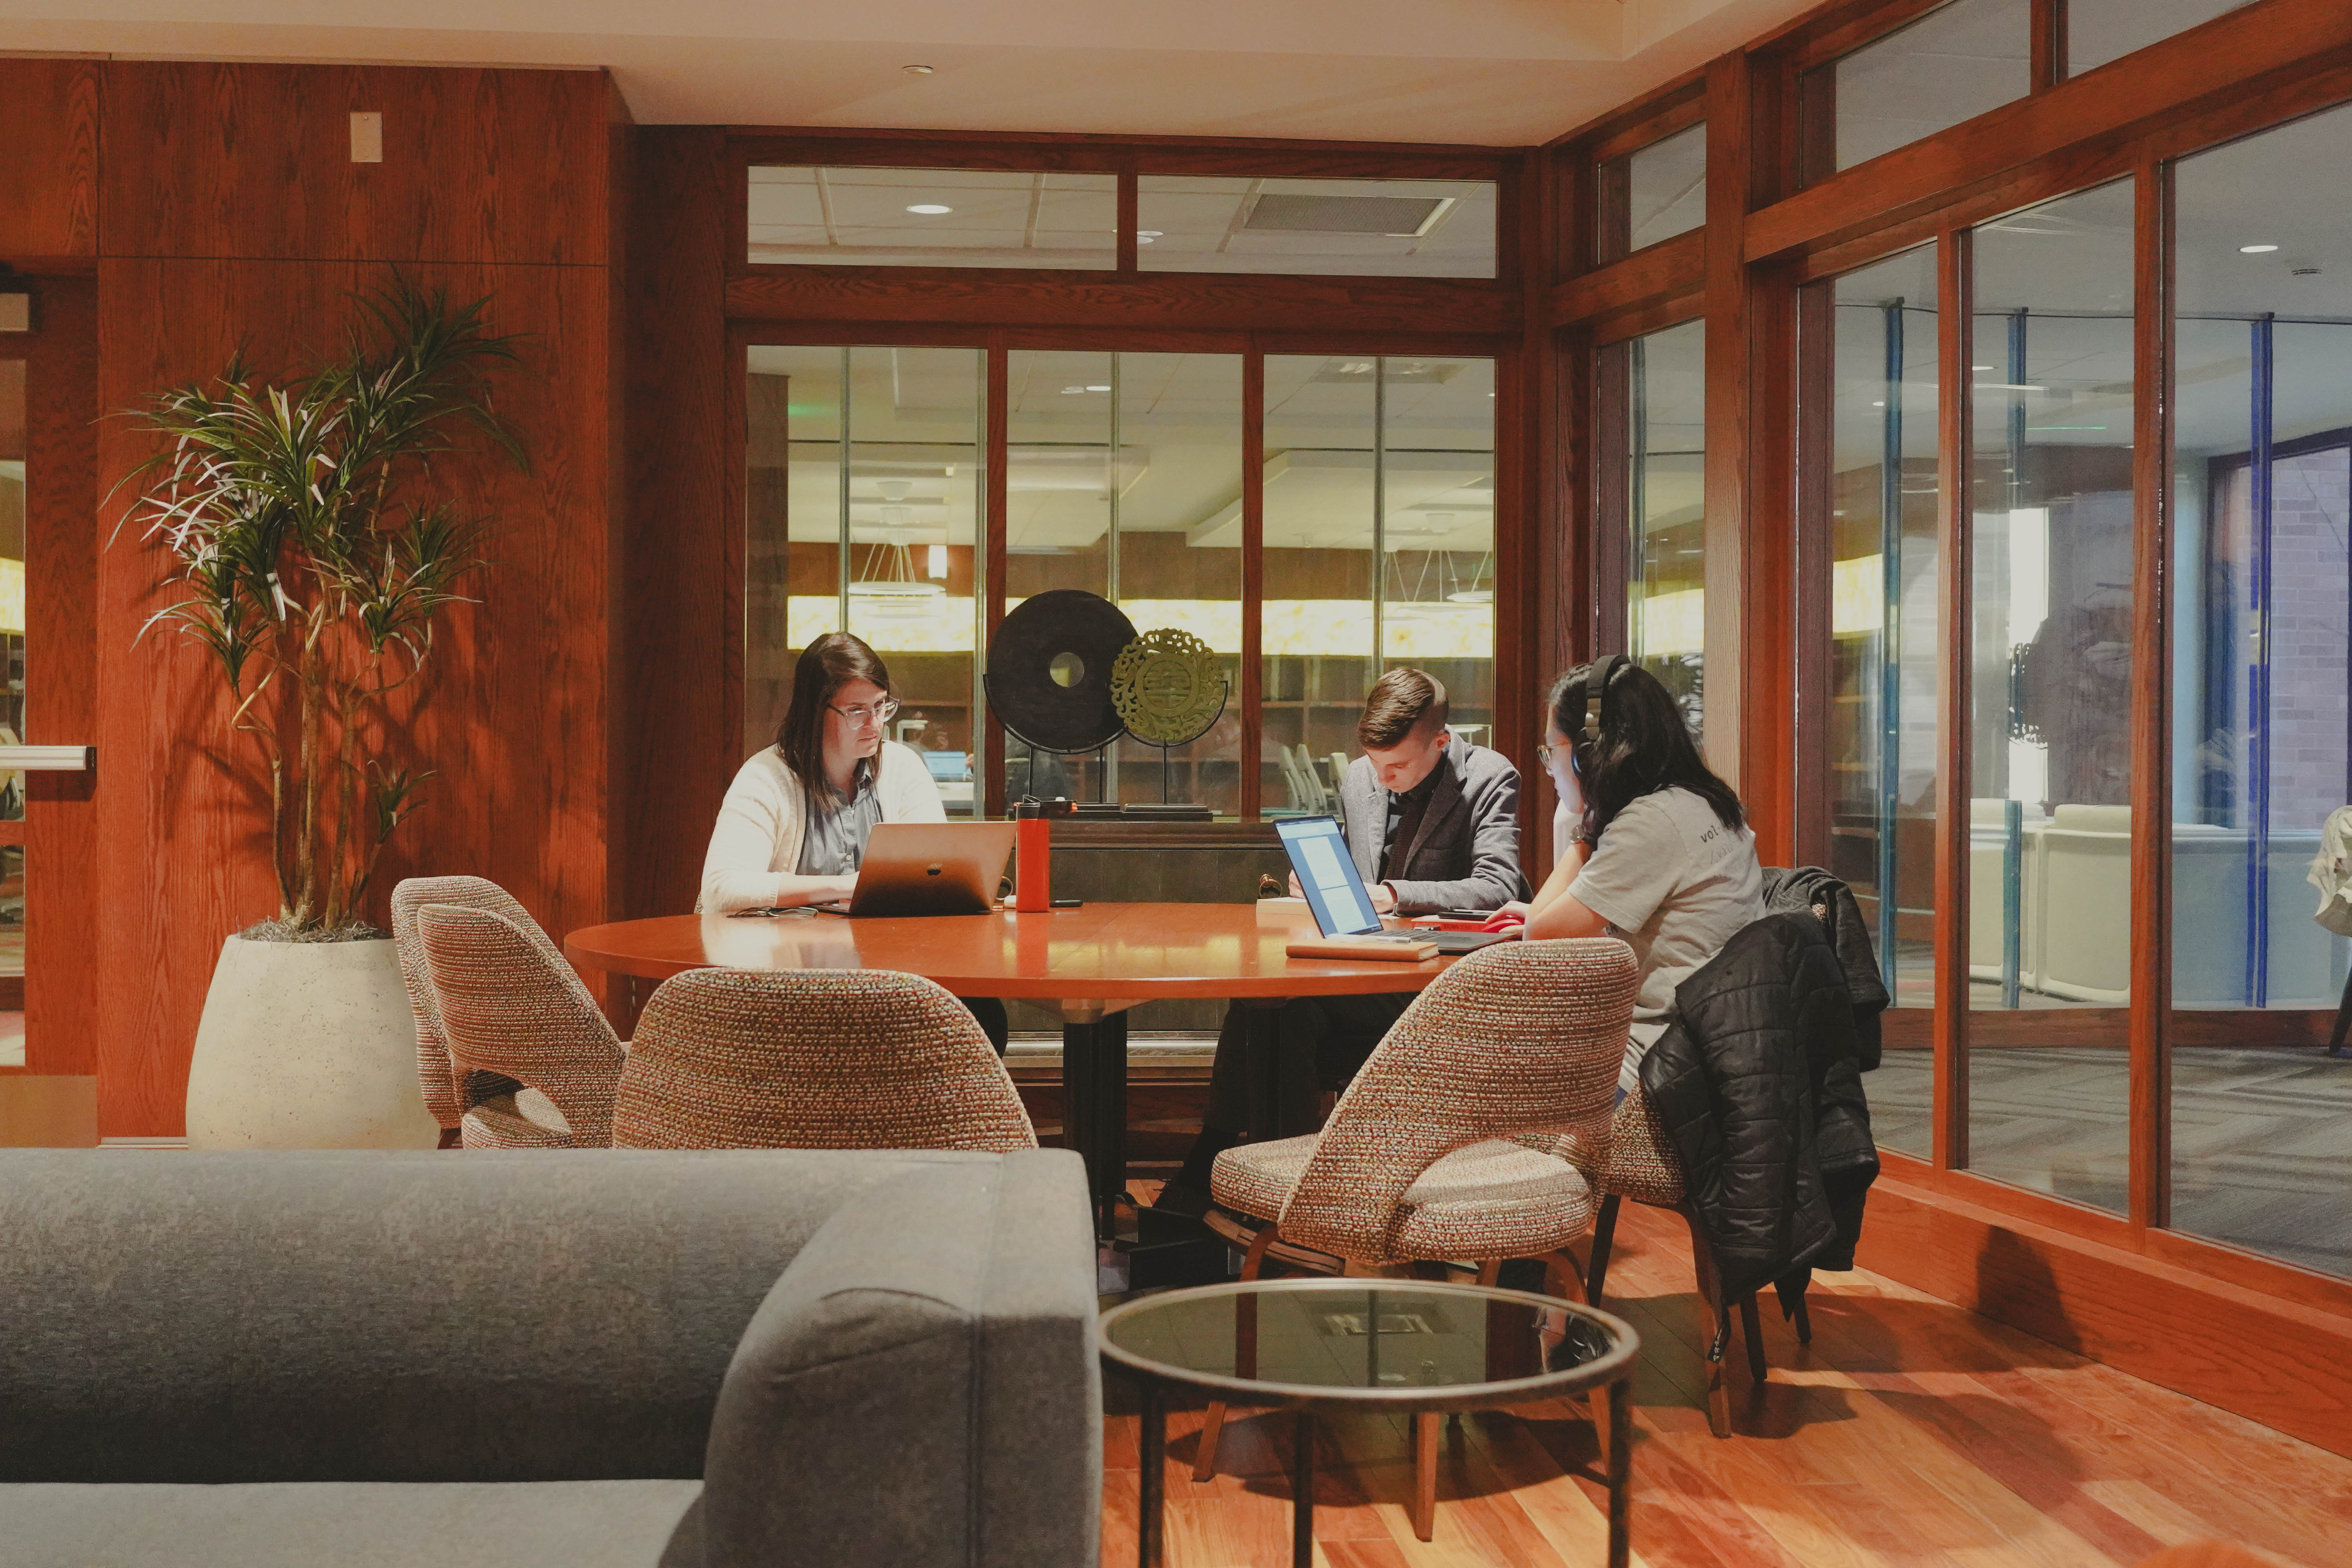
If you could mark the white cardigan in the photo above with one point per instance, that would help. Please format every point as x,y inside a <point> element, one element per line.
<point>756,843</point>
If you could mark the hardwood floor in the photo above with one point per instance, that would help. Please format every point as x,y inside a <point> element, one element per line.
<point>1909,1433</point>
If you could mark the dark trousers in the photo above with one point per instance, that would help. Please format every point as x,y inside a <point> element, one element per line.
<point>990,1013</point>
<point>1305,1047</point>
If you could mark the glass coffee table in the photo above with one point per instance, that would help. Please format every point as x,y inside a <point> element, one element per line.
<point>1402,1346</point>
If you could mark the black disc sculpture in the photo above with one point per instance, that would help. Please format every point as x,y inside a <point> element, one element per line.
<point>1049,667</point>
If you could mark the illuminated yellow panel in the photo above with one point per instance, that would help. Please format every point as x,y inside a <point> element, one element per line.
<point>1857,596</point>
<point>1294,629</point>
<point>1672,622</point>
<point>12,596</point>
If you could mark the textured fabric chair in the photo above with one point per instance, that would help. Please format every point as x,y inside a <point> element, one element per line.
<point>511,1007</point>
<point>489,1097</point>
<point>854,1058</point>
<point>1444,1148</point>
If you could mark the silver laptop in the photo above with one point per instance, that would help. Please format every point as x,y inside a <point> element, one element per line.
<point>1327,874</point>
<point>931,868</point>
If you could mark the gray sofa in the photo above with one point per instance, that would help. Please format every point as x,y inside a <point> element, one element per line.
<point>592,1358</point>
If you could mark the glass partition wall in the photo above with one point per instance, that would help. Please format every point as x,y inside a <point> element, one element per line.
<point>2262,659</point>
<point>1650,472</point>
<point>1123,476</point>
<point>1870,585</point>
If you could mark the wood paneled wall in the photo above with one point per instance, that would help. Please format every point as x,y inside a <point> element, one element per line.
<point>220,209</point>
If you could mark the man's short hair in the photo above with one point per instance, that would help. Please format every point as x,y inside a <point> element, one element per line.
<point>1404,703</point>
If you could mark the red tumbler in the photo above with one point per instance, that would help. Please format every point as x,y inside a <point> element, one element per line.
<point>1033,842</point>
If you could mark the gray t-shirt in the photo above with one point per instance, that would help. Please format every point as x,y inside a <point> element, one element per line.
<point>1677,885</point>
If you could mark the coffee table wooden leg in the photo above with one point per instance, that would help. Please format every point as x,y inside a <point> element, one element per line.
<point>1620,1446</point>
<point>1425,1473</point>
<point>1302,1506</point>
<point>1155,1469</point>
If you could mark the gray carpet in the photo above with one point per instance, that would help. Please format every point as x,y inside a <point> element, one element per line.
<point>2262,1140</point>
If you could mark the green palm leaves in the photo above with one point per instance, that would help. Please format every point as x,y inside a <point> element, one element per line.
<point>312,555</point>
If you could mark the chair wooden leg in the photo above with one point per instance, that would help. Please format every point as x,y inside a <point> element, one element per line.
<point>1425,1473</point>
<point>1488,1272</point>
<point>1562,1277</point>
<point>1604,1231</point>
<point>1753,1332</point>
<point>1204,1463</point>
<point>1718,1397</point>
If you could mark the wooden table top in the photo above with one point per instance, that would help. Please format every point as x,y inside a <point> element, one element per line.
<point>1113,955</point>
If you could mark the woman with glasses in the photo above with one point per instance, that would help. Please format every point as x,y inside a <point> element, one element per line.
<point>794,826</point>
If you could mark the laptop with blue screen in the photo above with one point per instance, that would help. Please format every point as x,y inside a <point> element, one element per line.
<point>1335,891</point>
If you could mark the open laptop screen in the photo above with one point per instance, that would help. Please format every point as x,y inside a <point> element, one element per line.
<point>1318,854</point>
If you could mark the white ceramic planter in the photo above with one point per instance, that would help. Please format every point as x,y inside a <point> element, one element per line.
<point>307,1045</point>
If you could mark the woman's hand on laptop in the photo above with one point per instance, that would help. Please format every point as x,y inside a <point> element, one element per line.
<point>1514,914</point>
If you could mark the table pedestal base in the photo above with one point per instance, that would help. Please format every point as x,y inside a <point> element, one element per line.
<point>1094,1110</point>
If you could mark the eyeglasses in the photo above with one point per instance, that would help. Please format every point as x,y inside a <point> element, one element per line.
<point>859,715</point>
<point>1544,754</point>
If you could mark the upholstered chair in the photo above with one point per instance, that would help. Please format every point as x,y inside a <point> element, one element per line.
<point>1442,1148</point>
<point>490,1094</point>
<point>509,1007</point>
<point>726,1058</point>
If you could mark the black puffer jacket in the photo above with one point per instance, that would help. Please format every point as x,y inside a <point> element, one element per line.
<point>1833,903</point>
<point>1759,1083</point>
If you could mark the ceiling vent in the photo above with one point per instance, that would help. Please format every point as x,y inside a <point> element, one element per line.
<point>1392,218</point>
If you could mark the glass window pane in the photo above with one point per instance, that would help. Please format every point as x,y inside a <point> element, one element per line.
<point>791,522</point>
<point>1176,523</point>
<point>2098,31</point>
<point>1953,64</point>
<point>932,217</point>
<point>2049,823</point>
<point>1321,418</point>
<point>1653,507</point>
<point>1653,193</point>
<point>1386,228</point>
<point>2262,746</point>
<point>1437,505</point>
<point>1878,816</point>
<point>893,531</point>
<point>913,504</point>
<point>1059,478</point>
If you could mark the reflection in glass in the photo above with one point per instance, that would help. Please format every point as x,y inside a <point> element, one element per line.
<point>1388,228</point>
<point>1059,481</point>
<point>1955,63</point>
<point>1880,713</point>
<point>1652,194</point>
<point>890,535</point>
<point>2098,31</point>
<point>1437,532</point>
<point>1652,463</point>
<point>2262,746</point>
<point>2054,582</point>
<point>932,217</point>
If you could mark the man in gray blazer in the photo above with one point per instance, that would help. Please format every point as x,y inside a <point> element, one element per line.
<point>1433,824</point>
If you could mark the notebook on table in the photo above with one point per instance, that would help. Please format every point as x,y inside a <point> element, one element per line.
<point>1336,893</point>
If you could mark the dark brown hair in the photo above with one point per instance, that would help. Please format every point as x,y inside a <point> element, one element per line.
<point>826,665</point>
<point>1404,701</point>
<point>1644,745</point>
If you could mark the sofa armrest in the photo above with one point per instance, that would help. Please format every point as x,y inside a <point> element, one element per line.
<point>920,1386</point>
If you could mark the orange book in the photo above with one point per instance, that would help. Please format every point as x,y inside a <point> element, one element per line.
<point>1363,947</point>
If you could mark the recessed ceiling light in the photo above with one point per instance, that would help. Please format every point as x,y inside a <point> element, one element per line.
<point>1981,367</point>
<point>1098,389</point>
<point>929,209</point>
<point>915,70</point>
<point>2256,249</point>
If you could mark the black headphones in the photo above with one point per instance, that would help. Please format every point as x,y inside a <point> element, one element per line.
<point>1593,699</point>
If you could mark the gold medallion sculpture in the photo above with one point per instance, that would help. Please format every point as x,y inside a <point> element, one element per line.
<point>1168,687</point>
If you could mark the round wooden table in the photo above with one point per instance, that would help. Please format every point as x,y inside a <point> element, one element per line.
<point>1090,964</point>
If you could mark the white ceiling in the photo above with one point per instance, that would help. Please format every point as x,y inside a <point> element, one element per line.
<point>1497,73</point>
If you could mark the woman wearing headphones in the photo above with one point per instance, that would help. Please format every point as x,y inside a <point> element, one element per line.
<point>1655,849</point>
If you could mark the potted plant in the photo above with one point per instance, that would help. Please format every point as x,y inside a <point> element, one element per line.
<point>311,552</point>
